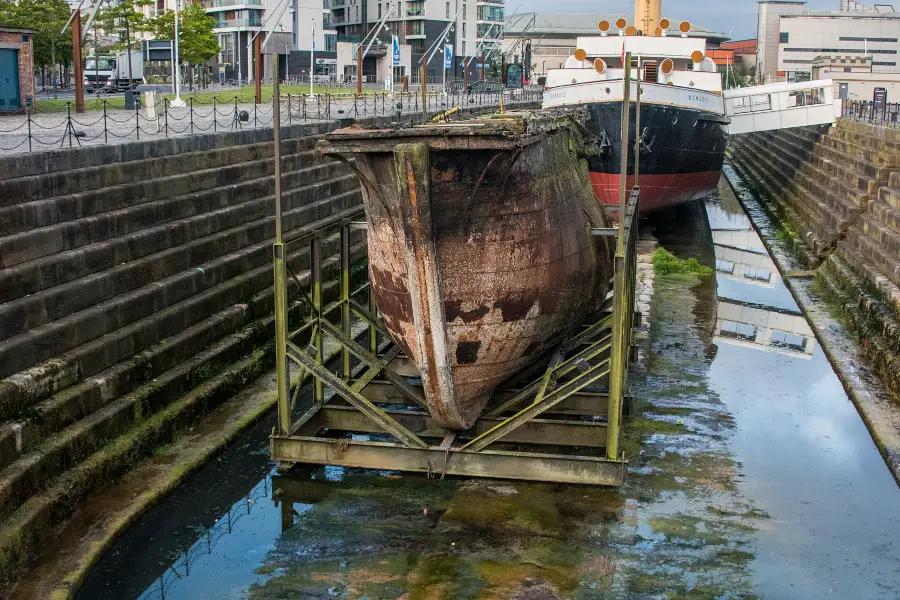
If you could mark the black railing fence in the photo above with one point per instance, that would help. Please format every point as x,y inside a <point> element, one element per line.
<point>866,111</point>
<point>110,124</point>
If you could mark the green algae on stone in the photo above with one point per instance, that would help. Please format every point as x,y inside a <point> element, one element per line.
<point>666,263</point>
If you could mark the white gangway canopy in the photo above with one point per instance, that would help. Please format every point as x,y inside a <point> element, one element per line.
<point>781,106</point>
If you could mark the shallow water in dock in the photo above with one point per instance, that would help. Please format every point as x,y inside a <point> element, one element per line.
<point>751,476</point>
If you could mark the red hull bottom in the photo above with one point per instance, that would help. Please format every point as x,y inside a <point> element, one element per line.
<point>657,191</point>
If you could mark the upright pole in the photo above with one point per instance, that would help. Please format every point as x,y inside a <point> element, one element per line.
<point>177,101</point>
<point>444,71</point>
<point>76,62</point>
<point>53,62</point>
<point>172,54</point>
<point>637,124</point>
<point>464,69</point>
<point>424,87</point>
<point>257,60</point>
<point>359,70</point>
<point>623,149</point>
<point>312,59</point>
<point>482,65</point>
<point>128,53</point>
<point>284,409</point>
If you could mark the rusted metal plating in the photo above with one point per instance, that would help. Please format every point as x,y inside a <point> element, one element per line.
<point>480,253</point>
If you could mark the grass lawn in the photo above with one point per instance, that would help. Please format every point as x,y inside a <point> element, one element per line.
<point>243,95</point>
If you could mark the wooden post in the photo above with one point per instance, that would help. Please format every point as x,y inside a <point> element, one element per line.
<point>359,70</point>
<point>257,70</point>
<point>76,63</point>
<point>424,87</point>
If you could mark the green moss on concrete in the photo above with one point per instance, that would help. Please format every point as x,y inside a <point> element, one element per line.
<point>666,263</point>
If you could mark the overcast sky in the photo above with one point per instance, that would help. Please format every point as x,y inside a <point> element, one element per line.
<point>720,15</point>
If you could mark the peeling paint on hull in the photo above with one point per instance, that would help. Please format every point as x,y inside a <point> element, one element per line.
<point>479,251</point>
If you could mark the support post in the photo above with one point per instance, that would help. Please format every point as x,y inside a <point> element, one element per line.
<point>281,367</point>
<point>76,62</point>
<point>482,65</point>
<point>637,122</point>
<point>424,87</point>
<point>315,272</point>
<point>257,58</point>
<point>345,298</point>
<point>359,70</point>
<point>623,148</point>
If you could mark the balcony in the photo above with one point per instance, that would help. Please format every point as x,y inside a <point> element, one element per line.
<point>415,13</point>
<point>242,22</point>
<point>209,4</point>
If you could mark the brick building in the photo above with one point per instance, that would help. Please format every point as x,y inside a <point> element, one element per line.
<point>16,69</point>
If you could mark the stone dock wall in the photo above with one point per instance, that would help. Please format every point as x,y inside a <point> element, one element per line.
<point>135,296</point>
<point>836,192</point>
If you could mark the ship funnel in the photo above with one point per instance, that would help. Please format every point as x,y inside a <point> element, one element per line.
<point>685,28</point>
<point>603,26</point>
<point>599,65</point>
<point>621,24</point>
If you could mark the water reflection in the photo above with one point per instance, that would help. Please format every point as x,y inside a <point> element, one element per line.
<point>754,306</point>
<point>751,475</point>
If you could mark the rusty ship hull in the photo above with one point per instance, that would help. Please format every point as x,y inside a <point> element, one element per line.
<point>480,254</point>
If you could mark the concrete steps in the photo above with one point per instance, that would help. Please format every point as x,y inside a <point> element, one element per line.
<point>135,294</point>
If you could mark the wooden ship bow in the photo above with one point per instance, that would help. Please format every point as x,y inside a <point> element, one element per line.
<point>480,253</point>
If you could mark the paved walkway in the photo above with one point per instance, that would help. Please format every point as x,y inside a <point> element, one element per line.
<point>26,133</point>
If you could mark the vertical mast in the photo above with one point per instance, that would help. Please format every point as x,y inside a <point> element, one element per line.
<point>647,15</point>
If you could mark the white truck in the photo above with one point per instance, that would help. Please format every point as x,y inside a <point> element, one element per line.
<point>110,73</point>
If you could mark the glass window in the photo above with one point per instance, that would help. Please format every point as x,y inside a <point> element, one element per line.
<point>724,266</point>
<point>783,39</point>
<point>782,339</point>
<point>741,331</point>
<point>448,11</point>
<point>757,273</point>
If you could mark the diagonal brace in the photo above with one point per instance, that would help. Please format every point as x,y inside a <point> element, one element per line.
<point>385,421</point>
<point>373,361</point>
<point>530,412</point>
<point>558,371</point>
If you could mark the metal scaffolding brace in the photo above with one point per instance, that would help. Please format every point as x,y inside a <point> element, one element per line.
<point>560,422</point>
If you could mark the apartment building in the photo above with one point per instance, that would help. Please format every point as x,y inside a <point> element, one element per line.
<point>476,25</point>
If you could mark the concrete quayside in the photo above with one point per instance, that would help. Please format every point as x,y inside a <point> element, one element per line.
<point>751,476</point>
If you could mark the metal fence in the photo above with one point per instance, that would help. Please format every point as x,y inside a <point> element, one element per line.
<point>866,111</point>
<point>108,124</point>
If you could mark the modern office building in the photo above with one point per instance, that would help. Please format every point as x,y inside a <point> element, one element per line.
<point>790,38</point>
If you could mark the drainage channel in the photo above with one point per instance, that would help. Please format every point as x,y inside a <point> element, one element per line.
<point>751,475</point>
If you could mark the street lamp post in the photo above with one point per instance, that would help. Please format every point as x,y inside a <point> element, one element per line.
<point>177,101</point>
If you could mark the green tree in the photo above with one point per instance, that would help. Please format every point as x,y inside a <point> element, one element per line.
<point>46,18</point>
<point>124,18</point>
<point>196,41</point>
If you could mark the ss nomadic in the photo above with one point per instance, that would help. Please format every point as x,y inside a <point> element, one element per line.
<point>683,124</point>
